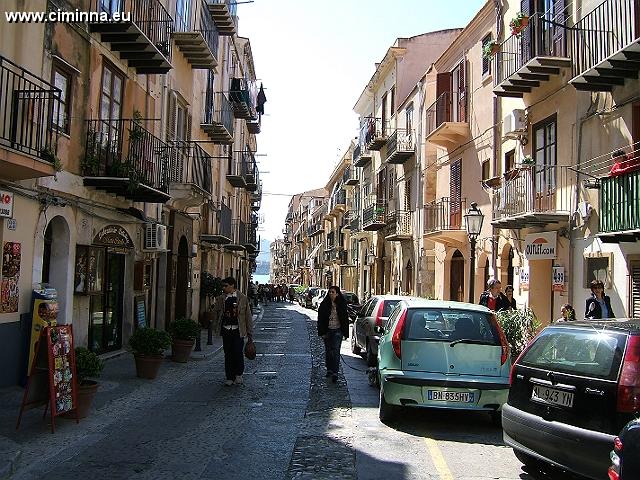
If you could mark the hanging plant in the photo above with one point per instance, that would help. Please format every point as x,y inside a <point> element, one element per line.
<point>519,23</point>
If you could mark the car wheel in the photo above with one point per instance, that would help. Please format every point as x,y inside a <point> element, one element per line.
<point>386,411</point>
<point>372,360</point>
<point>496,418</point>
<point>527,459</point>
<point>354,346</point>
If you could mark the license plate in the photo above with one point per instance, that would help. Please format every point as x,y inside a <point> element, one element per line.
<point>443,396</point>
<point>552,396</point>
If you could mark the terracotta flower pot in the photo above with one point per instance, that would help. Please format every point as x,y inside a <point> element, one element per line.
<point>86,393</point>
<point>147,366</point>
<point>181,350</point>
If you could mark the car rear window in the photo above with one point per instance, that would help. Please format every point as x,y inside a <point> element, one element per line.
<point>389,305</point>
<point>351,298</point>
<point>593,353</point>
<point>448,325</point>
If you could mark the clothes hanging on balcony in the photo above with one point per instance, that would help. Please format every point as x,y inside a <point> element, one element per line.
<point>260,101</point>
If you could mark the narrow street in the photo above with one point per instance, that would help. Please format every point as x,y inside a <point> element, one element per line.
<point>286,422</point>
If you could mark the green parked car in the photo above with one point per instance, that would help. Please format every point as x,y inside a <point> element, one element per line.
<point>442,355</point>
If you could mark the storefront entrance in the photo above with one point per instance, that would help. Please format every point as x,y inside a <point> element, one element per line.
<point>105,315</point>
<point>456,277</point>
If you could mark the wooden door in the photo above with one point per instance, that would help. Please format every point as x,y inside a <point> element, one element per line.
<point>456,277</point>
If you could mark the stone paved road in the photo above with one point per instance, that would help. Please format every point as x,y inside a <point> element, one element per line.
<point>287,422</point>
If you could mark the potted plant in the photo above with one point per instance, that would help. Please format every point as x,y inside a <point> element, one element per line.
<point>528,161</point>
<point>490,48</point>
<point>148,345</point>
<point>518,23</point>
<point>183,336</point>
<point>519,326</point>
<point>88,365</point>
<point>210,288</point>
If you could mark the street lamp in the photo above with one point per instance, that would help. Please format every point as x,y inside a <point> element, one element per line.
<point>473,218</point>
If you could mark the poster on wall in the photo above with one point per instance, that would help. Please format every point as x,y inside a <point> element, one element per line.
<point>10,277</point>
<point>558,279</point>
<point>524,278</point>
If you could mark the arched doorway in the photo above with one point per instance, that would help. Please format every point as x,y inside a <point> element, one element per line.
<point>55,261</point>
<point>182,279</point>
<point>409,278</point>
<point>510,269</point>
<point>456,277</point>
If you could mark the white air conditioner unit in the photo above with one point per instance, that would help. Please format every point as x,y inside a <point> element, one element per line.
<point>515,124</point>
<point>155,237</point>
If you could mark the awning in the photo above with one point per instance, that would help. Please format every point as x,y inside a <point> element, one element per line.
<point>618,237</point>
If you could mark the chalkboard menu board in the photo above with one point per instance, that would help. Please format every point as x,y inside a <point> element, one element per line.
<point>141,312</point>
<point>52,380</point>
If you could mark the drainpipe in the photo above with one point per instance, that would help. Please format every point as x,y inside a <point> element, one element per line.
<point>497,113</point>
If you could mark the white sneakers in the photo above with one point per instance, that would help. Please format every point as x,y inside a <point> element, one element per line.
<point>228,383</point>
<point>239,380</point>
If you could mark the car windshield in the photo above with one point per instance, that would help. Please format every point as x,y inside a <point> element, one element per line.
<point>577,351</point>
<point>389,305</point>
<point>448,325</point>
<point>351,298</point>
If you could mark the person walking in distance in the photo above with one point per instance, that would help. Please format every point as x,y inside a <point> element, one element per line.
<point>333,327</point>
<point>493,298</point>
<point>598,305</point>
<point>234,323</point>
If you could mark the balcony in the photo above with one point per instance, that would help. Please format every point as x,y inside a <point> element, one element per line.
<point>123,158</point>
<point>361,156</point>
<point>329,256</point>
<point>144,42</point>
<point>526,60</point>
<point>223,14</point>
<point>251,238</point>
<point>338,202</point>
<point>238,236</point>
<point>373,216</point>
<point>217,120</point>
<point>447,124</point>
<point>399,226</point>
<point>342,257</point>
<point>351,176</point>
<point>533,196</point>
<point>198,42</point>
<point>237,169</point>
<point>254,126</point>
<point>620,208</point>
<point>256,199</point>
<point>252,178</point>
<point>288,218</point>
<point>243,99</point>
<point>605,48</point>
<point>221,232</point>
<point>443,221</point>
<point>374,133</point>
<point>189,175</point>
<point>28,137</point>
<point>355,223</point>
<point>331,238</point>
<point>401,146</point>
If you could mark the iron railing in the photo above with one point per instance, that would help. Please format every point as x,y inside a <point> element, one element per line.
<point>149,16</point>
<point>217,109</point>
<point>243,94</point>
<point>355,223</point>
<point>444,214</point>
<point>338,198</point>
<point>544,36</point>
<point>238,164</point>
<point>356,153</point>
<point>190,164</point>
<point>399,222</point>
<point>238,232</point>
<point>448,107</point>
<point>374,213</point>
<point>619,206</point>
<point>534,189</point>
<point>401,140</point>
<point>123,148</point>
<point>372,130</point>
<point>232,5</point>
<point>30,109</point>
<point>204,26</point>
<point>329,255</point>
<point>330,243</point>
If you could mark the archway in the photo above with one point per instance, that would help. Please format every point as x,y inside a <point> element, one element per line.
<point>456,277</point>
<point>55,261</point>
<point>409,278</point>
<point>182,279</point>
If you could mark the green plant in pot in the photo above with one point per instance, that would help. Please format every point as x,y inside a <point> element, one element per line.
<point>148,345</point>
<point>210,288</point>
<point>183,335</point>
<point>88,365</point>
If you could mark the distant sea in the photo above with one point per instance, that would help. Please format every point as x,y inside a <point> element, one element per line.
<point>261,278</point>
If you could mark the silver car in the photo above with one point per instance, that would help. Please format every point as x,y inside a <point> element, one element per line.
<point>364,339</point>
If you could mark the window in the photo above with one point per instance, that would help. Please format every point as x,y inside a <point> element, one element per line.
<point>61,113</point>
<point>384,114</point>
<point>486,61</point>
<point>509,161</point>
<point>393,100</point>
<point>486,170</point>
<point>182,15</point>
<point>409,118</point>
<point>407,194</point>
<point>598,268</point>
<point>544,154</point>
<point>111,96</point>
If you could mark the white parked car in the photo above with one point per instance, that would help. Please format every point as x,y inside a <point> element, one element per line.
<point>315,301</point>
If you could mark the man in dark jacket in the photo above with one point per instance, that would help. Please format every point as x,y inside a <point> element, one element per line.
<point>598,305</point>
<point>493,298</point>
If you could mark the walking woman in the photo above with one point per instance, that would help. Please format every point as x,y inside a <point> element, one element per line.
<point>333,326</point>
<point>598,305</point>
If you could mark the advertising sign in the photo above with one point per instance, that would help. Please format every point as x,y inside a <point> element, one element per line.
<point>6,204</point>
<point>541,246</point>
<point>558,279</point>
<point>524,278</point>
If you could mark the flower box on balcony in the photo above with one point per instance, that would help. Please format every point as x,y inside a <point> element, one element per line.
<point>518,23</point>
<point>490,48</point>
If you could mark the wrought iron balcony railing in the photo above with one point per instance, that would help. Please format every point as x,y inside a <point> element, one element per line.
<point>198,41</point>
<point>243,98</point>
<point>30,112</point>
<point>223,13</point>
<point>444,214</point>
<point>400,146</point>
<point>448,107</point>
<point>239,234</point>
<point>217,118</point>
<point>330,243</point>
<point>373,216</point>
<point>355,223</point>
<point>399,225</point>
<point>373,133</point>
<point>538,194</point>
<point>124,150</point>
<point>338,200</point>
<point>620,203</point>
<point>190,164</point>
<point>329,255</point>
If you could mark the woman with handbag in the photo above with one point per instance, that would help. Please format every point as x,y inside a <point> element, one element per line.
<point>333,327</point>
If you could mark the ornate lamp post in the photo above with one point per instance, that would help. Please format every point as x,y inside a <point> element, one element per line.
<point>473,218</point>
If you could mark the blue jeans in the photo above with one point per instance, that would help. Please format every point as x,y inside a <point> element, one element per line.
<point>332,342</point>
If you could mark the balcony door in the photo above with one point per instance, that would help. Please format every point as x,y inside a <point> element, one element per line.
<point>111,95</point>
<point>459,93</point>
<point>455,196</point>
<point>544,153</point>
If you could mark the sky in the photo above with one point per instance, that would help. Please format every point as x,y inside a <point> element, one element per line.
<point>314,59</point>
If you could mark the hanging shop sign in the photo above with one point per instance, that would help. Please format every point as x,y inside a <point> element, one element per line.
<point>115,237</point>
<point>541,246</point>
<point>558,279</point>
<point>6,204</point>
<point>524,278</point>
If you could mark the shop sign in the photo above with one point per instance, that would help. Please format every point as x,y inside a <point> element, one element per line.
<point>6,204</point>
<point>540,246</point>
<point>113,236</point>
<point>558,279</point>
<point>524,278</point>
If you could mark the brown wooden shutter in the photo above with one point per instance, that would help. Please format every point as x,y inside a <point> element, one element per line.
<point>443,85</point>
<point>462,92</point>
<point>635,129</point>
<point>559,19</point>
<point>634,300</point>
<point>171,116</point>
<point>525,36</point>
<point>455,195</point>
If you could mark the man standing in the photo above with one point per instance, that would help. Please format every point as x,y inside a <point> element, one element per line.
<point>234,322</point>
<point>493,298</point>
